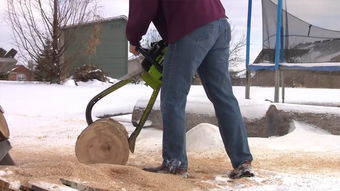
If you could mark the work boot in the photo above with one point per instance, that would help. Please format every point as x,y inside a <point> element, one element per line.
<point>243,170</point>
<point>169,167</point>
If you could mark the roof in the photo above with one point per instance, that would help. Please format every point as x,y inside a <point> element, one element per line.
<point>121,17</point>
<point>7,60</point>
<point>19,66</point>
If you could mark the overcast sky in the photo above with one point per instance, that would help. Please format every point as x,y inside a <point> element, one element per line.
<point>324,13</point>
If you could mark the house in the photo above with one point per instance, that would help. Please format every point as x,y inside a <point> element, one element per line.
<point>20,73</point>
<point>6,64</point>
<point>7,60</point>
<point>101,43</point>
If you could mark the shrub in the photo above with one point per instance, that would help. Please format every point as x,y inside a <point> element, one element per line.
<point>85,73</point>
<point>3,76</point>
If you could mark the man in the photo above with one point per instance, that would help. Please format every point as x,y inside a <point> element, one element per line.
<point>198,36</point>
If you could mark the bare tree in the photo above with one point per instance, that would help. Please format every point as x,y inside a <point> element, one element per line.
<point>236,54</point>
<point>38,22</point>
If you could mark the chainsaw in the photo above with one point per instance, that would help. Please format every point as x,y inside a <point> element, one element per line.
<point>106,140</point>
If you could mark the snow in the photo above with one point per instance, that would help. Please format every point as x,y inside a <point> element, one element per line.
<point>203,138</point>
<point>282,182</point>
<point>198,103</point>
<point>301,96</point>
<point>52,116</point>
<point>303,137</point>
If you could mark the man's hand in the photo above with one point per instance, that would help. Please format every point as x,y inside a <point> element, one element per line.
<point>133,50</point>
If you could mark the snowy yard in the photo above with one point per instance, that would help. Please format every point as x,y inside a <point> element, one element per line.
<point>45,121</point>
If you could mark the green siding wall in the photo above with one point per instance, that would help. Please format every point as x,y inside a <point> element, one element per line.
<point>103,44</point>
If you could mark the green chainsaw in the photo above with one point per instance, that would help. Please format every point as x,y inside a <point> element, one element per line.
<point>106,140</point>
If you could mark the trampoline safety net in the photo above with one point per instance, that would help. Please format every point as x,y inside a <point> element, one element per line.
<point>301,42</point>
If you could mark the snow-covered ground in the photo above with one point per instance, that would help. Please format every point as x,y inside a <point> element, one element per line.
<point>48,118</point>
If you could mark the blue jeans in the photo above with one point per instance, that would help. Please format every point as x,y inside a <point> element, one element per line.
<point>205,50</point>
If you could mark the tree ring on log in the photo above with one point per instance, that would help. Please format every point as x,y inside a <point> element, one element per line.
<point>104,141</point>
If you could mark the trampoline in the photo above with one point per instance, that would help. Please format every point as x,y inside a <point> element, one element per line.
<point>290,43</point>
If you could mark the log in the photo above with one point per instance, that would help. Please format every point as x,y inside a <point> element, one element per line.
<point>4,131</point>
<point>262,119</point>
<point>32,187</point>
<point>202,111</point>
<point>5,186</point>
<point>259,117</point>
<point>104,141</point>
<point>5,158</point>
<point>79,186</point>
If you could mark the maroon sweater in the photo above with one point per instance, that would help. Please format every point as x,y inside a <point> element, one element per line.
<point>172,18</point>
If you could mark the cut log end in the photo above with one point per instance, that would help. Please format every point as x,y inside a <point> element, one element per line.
<point>104,141</point>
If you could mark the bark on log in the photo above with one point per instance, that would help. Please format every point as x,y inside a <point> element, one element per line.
<point>4,131</point>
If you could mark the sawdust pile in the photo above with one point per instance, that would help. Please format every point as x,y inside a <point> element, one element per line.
<point>50,166</point>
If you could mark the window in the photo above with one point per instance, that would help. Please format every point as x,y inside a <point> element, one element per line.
<point>21,77</point>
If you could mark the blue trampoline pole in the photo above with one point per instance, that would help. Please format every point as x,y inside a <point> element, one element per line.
<point>248,49</point>
<point>248,33</point>
<point>278,50</point>
<point>278,34</point>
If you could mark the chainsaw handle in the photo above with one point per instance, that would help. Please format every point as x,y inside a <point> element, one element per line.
<point>146,54</point>
<point>93,101</point>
